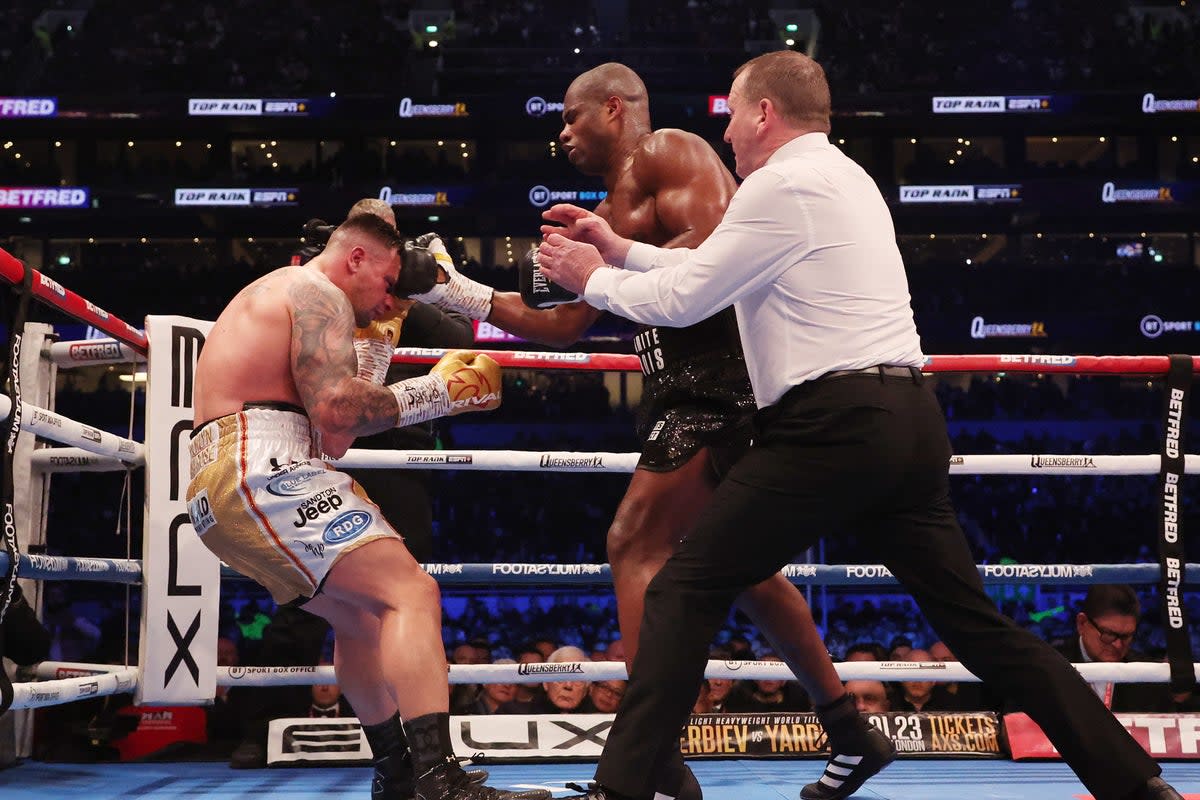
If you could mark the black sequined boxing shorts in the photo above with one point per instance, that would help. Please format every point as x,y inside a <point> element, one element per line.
<point>701,401</point>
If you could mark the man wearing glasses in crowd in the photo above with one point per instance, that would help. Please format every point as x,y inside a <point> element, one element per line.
<point>1106,623</point>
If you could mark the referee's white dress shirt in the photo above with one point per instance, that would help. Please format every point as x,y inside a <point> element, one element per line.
<point>807,255</point>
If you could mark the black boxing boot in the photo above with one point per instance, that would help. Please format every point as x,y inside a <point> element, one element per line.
<point>437,774</point>
<point>394,778</point>
<point>857,750</point>
<point>446,780</point>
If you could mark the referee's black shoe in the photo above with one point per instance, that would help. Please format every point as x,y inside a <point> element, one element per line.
<point>1156,789</point>
<point>688,789</point>
<point>857,751</point>
<point>594,791</point>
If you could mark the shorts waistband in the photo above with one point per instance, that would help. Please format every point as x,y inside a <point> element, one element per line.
<point>879,370</point>
<point>282,423</point>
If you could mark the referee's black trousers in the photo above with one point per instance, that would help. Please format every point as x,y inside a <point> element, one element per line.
<point>867,456</point>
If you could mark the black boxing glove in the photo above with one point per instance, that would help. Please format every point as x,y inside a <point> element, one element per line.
<point>418,268</point>
<point>447,288</point>
<point>537,290</point>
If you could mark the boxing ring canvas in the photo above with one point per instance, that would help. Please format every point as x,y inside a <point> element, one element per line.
<point>916,779</point>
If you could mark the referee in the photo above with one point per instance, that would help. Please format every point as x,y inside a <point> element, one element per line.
<point>847,437</point>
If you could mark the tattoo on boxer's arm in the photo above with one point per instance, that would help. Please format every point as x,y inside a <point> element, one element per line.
<point>324,364</point>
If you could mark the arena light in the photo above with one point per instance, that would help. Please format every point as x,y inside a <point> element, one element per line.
<point>137,377</point>
<point>433,43</point>
<point>434,218</point>
<point>792,27</point>
<point>790,42</point>
<point>431,28</point>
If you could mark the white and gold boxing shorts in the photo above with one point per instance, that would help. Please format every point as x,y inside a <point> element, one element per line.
<point>264,502</point>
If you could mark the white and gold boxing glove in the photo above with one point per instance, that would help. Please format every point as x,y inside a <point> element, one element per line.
<point>457,292</point>
<point>375,343</point>
<point>461,382</point>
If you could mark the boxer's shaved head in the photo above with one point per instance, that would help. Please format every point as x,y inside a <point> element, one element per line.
<point>611,80</point>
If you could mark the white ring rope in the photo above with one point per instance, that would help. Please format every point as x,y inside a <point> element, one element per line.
<point>937,671</point>
<point>92,352</point>
<point>73,459</point>
<point>51,425</point>
<point>567,461</point>
<point>67,690</point>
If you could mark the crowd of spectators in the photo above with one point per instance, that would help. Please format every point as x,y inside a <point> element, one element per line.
<point>867,47</point>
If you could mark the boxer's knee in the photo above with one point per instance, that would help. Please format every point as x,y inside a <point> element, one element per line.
<point>642,534</point>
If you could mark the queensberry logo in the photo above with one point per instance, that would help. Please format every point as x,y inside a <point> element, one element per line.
<point>410,109</point>
<point>1111,193</point>
<point>28,106</point>
<point>294,108</point>
<point>1152,105</point>
<point>541,196</point>
<point>228,107</point>
<point>292,484</point>
<point>434,198</point>
<point>212,197</point>
<point>346,526</point>
<point>969,105</point>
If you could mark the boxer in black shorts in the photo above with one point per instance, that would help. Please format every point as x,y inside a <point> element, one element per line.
<point>695,395</point>
<point>667,188</point>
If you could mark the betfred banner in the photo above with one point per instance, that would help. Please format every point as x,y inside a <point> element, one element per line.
<point>1173,736</point>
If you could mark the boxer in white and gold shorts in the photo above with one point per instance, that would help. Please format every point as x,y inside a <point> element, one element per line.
<point>266,504</point>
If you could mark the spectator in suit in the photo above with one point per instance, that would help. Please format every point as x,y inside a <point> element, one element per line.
<point>1106,624</point>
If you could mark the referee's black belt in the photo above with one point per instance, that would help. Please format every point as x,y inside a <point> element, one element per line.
<point>879,370</point>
